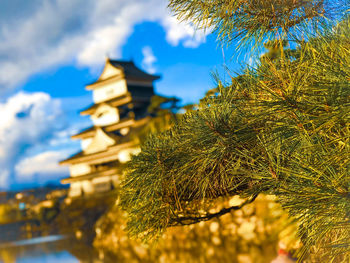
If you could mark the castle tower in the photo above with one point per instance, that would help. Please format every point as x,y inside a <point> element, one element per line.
<point>121,97</point>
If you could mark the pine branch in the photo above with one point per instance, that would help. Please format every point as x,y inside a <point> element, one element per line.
<point>190,220</point>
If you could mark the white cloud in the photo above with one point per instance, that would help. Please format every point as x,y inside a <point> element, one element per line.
<point>148,60</point>
<point>44,165</point>
<point>27,120</point>
<point>176,32</point>
<point>59,31</point>
<point>103,42</point>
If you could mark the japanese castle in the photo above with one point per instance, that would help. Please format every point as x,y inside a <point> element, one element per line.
<point>121,96</point>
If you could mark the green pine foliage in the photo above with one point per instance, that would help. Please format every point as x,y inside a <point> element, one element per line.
<point>253,21</point>
<point>162,113</point>
<point>281,128</point>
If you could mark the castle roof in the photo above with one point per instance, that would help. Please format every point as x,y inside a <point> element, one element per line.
<point>109,154</point>
<point>115,102</point>
<point>131,71</point>
<point>92,175</point>
<point>122,69</point>
<point>122,142</point>
<point>88,132</point>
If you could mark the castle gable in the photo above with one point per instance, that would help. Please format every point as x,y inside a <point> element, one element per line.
<point>105,115</point>
<point>110,71</point>
<point>100,142</point>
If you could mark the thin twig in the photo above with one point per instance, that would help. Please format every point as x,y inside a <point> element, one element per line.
<point>189,220</point>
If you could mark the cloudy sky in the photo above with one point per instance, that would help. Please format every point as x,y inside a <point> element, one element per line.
<point>50,49</point>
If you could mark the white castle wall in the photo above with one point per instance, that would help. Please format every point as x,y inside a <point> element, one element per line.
<point>110,90</point>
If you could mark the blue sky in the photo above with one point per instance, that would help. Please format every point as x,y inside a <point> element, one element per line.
<point>49,50</point>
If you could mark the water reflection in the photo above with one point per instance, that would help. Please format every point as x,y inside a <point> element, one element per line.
<point>50,249</point>
<point>52,258</point>
<point>33,241</point>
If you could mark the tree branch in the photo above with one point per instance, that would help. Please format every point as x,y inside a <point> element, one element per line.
<point>189,220</point>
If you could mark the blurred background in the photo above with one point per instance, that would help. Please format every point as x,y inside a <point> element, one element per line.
<point>54,55</point>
